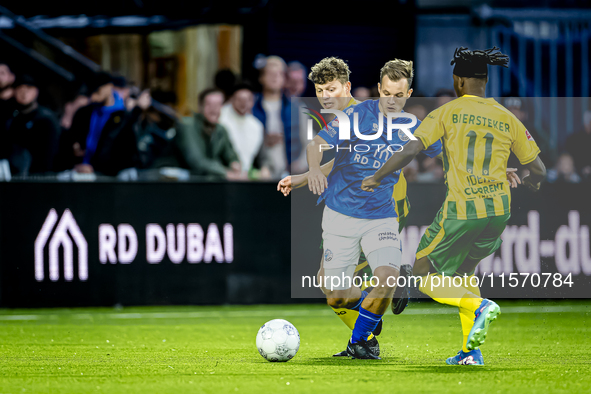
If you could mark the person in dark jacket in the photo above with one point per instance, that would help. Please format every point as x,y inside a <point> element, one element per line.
<point>204,145</point>
<point>7,103</point>
<point>32,132</point>
<point>101,138</point>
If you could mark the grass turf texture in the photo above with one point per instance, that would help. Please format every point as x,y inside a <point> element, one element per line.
<point>212,349</point>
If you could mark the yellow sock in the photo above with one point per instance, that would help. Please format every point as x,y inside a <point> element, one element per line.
<point>349,317</point>
<point>470,302</point>
<point>467,320</point>
<point>468,306</point>
<point>445,292</point>
<point>473,289</point>
<point>462,297</point>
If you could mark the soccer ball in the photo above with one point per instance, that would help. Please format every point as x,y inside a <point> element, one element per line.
<point>278,340</point>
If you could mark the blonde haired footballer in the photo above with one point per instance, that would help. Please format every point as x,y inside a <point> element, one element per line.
<point>333,90</point>
<point>478,135</point>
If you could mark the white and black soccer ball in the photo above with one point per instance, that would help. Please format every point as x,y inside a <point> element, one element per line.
<point>278,340</point>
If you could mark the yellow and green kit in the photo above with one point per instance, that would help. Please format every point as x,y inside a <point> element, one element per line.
<point>478,135</point>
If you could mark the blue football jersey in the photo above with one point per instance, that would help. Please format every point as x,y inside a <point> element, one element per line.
<point>356,159</point>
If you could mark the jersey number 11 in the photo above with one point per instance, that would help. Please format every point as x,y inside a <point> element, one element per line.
<point>487,152</point>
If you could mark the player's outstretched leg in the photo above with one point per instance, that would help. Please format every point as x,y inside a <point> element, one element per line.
<point>354,311</point>
<point>485,314</point>
<point>467,300</point>
<point>349,315</point>
<point>466,356</point>
<point>373,307</point>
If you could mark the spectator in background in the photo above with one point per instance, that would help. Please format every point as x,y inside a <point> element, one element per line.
<point>70,108</point>
<point>374,92</point>
<point>121,87</point>
<point>417,109</point>
<point>245,131</point>
<point>417,105</point>
<point>411,171</point>
<point>273,109</point>
<point>432,171</point>
<point>361,93</point>
<point>564,170</point>
<point>6,95</point>
<point>101,138</point>
<point>32,132</point>
<point>517,106</point>
<point>578,146</point>
<point>225,80</point>
<point>444,96</point>
<point>204,144</point>
<point>150,129</point>
<point>295,85</point>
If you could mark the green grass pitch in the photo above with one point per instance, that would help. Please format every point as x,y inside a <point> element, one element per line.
<point>535,346</point>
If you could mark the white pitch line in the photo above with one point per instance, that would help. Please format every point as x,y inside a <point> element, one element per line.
<point>20,317</point>
<point>279,314</point>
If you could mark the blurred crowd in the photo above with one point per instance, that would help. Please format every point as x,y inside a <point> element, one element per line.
<point>113,128</point>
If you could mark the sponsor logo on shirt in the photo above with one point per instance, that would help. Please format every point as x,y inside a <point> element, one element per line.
<point>529,137</point>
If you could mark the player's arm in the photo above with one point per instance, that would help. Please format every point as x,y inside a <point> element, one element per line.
<point>317,182</point>
<point>527,151</point>
<point>428,140</point>
<point>302,179</point>
<point>296,181</point>
<point>396,162</point>
<point>537,173</point>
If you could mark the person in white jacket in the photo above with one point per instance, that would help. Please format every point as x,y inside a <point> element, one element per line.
<point>245,131</point>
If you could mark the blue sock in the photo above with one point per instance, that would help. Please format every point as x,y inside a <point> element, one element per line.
<point>358,305</point>
<point>365,324</point>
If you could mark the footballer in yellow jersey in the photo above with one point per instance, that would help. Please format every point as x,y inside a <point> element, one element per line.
<point>478,135</point>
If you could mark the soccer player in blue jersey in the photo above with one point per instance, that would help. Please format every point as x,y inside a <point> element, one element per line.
<point>354,219</point>
<point>333,90</point>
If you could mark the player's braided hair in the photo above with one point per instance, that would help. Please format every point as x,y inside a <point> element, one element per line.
<point>328,70</point>
<point>473,64</point>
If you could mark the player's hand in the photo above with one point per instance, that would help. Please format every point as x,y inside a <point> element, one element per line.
<point>532,186</point>
<point>369,184</point>
<point>284,186</point>
<point>317,182</point>
<point>513,178</point>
